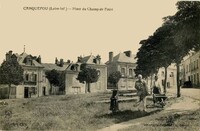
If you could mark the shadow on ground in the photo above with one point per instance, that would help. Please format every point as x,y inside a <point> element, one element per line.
<point>126,115</point>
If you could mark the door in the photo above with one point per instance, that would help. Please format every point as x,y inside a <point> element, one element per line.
<point>26,92</point>
<point>44,91</point>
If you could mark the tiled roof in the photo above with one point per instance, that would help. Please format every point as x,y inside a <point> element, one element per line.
<point>50,66</point>
<point>121,57</point>
<point>89,60</point>
<point>21,58</point>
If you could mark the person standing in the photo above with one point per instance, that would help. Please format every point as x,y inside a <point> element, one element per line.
<point>114,106</point>
<point>156,90</point>
<point>142,92</point>
<point>156,87</point>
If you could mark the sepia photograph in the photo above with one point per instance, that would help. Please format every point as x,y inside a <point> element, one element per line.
<point>100,65</point>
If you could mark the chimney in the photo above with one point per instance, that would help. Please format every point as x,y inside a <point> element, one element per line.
<point>128,53</point>
<point>10,53</point>
<point>79,59</point>
<point>56,61</point>
<point>68,61</point>
<point>39,59</point>
<point>7,57</point>
<point>98,59</point>
<point>110,56</point>
<point>61,62</point>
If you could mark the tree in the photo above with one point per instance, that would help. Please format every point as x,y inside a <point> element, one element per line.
<point>114,78</point>
<point>62,82</point>
<point>56,78</point>
<point>11,73</point>
<point>178,35</point>
<point>146,62</point>
<point>88,75</point>
<point>185,32</point>
<point>162,36</point>
<point>187,20</point>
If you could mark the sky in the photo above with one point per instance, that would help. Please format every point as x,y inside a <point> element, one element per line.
<point>70,33</point>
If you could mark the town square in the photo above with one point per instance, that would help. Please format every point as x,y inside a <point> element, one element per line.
<point>120,66</point>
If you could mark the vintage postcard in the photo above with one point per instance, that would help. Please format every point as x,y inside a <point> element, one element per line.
<point>99,65</point>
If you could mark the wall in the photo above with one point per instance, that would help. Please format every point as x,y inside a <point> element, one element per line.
<point>127,82</point>
<point>73,86</point>
<point>191,69</point>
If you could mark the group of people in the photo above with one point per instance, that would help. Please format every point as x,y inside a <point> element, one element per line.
<point>142,92</point>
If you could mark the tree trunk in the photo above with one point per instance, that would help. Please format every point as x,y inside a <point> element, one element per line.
<point>89,87</point>
<point>86,87</point>
<point>9,86</point>
<point>165,81</point>
<point>177,80</point>
<point>151,80</point>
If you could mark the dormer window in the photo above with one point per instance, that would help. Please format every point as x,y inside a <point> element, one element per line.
<point>28,60</point>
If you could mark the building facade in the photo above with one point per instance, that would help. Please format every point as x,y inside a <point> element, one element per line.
<point>60,67</point>
<point>190,69</point>
<point>33,84</point>
<point>125,63</point>
<point>73,86</point>
<point>171,78</point>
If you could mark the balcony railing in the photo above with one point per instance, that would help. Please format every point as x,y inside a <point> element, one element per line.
<point>30,82</point>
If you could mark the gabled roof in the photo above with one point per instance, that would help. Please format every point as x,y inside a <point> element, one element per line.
<point>50,66</point>
<point>89,60</point>
<point>121,57</point>
<point>78,64</point>
<point>21,58</point>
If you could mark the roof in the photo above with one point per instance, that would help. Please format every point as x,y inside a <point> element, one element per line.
<point>89,60</point>
<point>69,68</point>
<point>21,58</point>
<point>121,57</point>
<point>50,66</point>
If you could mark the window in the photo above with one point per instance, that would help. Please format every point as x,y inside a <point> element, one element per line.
<point>131,72</point>
<point>172,74</point>
<point>34,77</point>
<point>33,90</point>
<point>26,77</point>
<point>76,89</point>
<point>123,71</point>
<point>197,63</point>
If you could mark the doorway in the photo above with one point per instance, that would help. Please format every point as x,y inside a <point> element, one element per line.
<point>26,91</point>
<point>44,91</point>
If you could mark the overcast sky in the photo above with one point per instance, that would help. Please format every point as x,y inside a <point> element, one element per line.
<point>69,34</point>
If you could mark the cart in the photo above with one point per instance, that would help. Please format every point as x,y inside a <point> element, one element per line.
<point>159,99</point>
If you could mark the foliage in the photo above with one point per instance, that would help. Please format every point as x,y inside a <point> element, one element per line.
<point>11,73</point>
<point>56,78</point>
<point>178,35</point>
<point>187,20</point>
<point>88,75</point>
<point>53,77</point>
<point>114,77</point>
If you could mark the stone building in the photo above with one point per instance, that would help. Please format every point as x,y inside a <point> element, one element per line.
<point>33,85</point>
<point>73,86</point>
<point>190,69</point>
<point>59,66</point>
<point>125,63</point>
